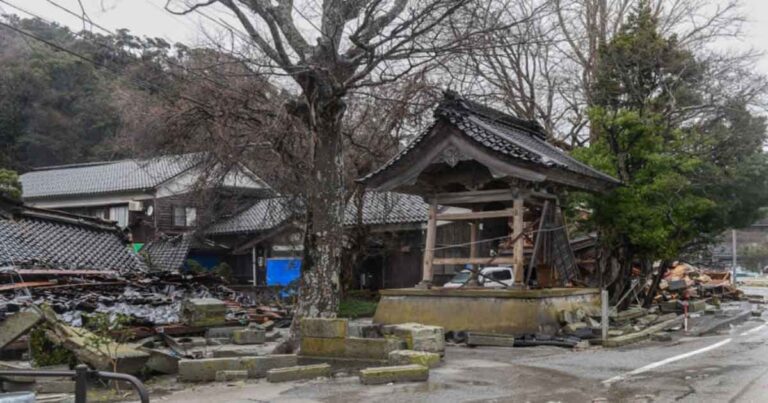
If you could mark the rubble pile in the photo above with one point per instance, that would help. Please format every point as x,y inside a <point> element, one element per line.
<point>683,281</point>
<point>148,299</point>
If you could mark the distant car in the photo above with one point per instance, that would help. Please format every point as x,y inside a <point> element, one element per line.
<point>489,277</point>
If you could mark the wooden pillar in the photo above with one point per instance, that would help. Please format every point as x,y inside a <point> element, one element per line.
<point>429,247</point>
<point>518,250</point>
<point>473,240</point>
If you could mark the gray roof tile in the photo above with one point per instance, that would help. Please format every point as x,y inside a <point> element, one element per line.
<point>58,240</point>
<point>501,132</point>
<point>168,253</point>
<point>104,177</point>
<point>378,208</point>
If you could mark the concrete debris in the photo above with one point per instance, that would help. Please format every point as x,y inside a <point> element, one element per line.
<point>399,373</point>
<point>203,312</point>
<point>299,373</point>
<point>204,370</point>
<point>231,375</point>
<point>418,337</point>
<point>490,339</point>
<point>249,336</point>
<point>18,324</point>
<point>407,357</point>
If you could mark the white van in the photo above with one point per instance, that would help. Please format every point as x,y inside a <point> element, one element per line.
<point>489,277</point>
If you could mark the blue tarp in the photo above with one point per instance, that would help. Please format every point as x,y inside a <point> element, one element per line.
<point>282,271</point>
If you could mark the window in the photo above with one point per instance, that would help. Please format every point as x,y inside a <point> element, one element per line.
<point>119,214</point>
<point>184,216</point>
<point>501,275</point>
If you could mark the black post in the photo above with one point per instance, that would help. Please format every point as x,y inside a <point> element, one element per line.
<point>81,383</point>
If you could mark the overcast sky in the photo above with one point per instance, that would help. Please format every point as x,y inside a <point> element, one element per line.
<point>147,18</point>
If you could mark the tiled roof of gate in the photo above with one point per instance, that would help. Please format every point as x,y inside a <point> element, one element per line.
<point>501,132</point>
<point>104,177</point>
<point>47,238</point>
<point>378,208</point>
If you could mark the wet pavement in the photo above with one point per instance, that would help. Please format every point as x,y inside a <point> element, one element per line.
<point>730,366</point>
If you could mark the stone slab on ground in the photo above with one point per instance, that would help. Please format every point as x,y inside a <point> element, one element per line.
<point>79,341</point>
<point>249,336</point>
<point>719,323</point>
<point>379,349</point>
<point>324,328</point>
<point>161,361</point>
<point>14,326</point>
<point>419,337</point>
<point>398,373</point>
<point>299,372</point>
<point>231,375</point>
<point>407,357</point>
<point>204,370</point>
<point>351,347</point>
<point>641,335</point>
<point>490,339</point>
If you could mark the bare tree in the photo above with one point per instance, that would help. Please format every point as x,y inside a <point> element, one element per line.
<point>359,44</point>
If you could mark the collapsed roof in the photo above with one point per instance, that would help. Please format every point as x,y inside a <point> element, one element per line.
<point>33,237</point>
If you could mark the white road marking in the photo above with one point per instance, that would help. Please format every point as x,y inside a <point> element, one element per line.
<point>665,362</point>
<point>750,331</point>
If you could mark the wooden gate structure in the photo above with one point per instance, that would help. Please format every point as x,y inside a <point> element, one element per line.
<point>497,167</point>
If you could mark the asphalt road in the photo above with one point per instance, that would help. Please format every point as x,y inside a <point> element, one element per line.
<point>731,366</point>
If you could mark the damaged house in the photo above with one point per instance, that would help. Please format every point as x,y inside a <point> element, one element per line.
<point>153,200</point>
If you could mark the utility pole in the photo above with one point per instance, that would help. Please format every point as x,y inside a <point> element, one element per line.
<point>733,257</point>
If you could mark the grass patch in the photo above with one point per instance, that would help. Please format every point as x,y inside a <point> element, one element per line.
<point>357,308</point>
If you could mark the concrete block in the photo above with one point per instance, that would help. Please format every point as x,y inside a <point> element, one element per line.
<point>17,324</point>
<point>249,336</point>
<point>80,342</point>
<point>408,357</point>
<point>399,373</point>
<point>203,312</point>
<point>204,370</point>
<point>324,327</point>
<point>224,332</point>
<point>299,372</point>
<point>161,361</point>
<point>490,339</point>
<point>230,376</point>
<point>377,349</point>
<point>322,347</point>
<point>257,367</point>
<point>419,337</point>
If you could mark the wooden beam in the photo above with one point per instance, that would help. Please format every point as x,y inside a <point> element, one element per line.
<point>501,260</point>
<point>517,229</point>
<point>429,247</point>
<point>494,195</point>
<point>475,215</point>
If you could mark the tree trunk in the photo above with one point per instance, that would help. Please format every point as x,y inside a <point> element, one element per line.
<point>319,287</point>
